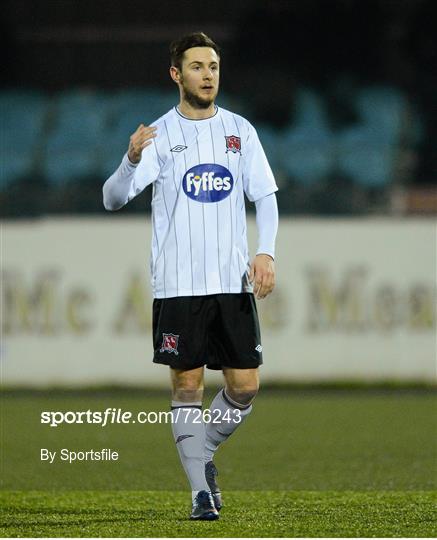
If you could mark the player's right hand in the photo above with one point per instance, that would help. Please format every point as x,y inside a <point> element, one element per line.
<point>139,140</point>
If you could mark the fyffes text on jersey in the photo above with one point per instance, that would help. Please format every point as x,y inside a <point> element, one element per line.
<point>208,182</point>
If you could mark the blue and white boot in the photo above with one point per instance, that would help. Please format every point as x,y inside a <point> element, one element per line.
<point>203,507</point>
<point>211,473</point>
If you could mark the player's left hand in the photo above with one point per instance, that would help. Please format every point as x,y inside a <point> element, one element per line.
<point>262,271</point>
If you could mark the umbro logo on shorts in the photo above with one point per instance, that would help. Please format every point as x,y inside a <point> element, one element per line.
<point>179,148</point>
<point>182,437</point>
<point>259,348</point>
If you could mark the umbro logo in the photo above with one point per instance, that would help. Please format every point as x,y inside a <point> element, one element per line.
<point>182,437</point>
<point>178,148</point>
<point>259,348</point>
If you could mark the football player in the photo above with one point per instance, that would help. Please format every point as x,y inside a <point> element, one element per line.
<point>202,161</point>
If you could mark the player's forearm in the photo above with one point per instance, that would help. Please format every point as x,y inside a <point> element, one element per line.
<point>267,223</point>
<point>116,188</point>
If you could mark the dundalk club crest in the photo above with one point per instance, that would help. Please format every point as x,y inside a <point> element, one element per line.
<point>233,143</point>
<point>169,343</point>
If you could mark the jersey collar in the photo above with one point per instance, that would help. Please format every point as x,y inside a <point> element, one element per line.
<point>196,119</point>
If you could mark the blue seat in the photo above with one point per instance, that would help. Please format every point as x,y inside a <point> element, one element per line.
<point>20,109</point>
<point>144,105</point>
<point>309,110</point>
<point>70,156</point>
<point>82,102</point>
<point>366,152</point>
<point>70,165</point>
<point>307,154</point>
<point>15,165</point>
<point>129,109</point>
<point>72,147</point>
<point>306,150</point>
<point>111,153</point>
<point>362,156</point>
<point>382,109</point>
<point>23,116</point>
<point>116,141</point>
<point>270,141</point>
<point>81,114</point>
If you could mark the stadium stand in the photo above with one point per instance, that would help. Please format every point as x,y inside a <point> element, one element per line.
<point>23,116</point>
<point>78,137</point>
<point>72,143</point>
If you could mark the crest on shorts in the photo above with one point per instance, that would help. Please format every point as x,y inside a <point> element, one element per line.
<point>169,343</point>
<point>233,143</point>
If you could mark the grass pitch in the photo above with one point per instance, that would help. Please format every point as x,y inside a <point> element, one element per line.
<point>252,514</point>
<point>311,463</point>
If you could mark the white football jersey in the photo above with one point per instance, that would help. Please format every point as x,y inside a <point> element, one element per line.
<point>200,170</point>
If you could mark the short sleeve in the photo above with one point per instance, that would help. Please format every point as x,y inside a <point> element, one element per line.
<point>258,179</point>
<point>147,170</point>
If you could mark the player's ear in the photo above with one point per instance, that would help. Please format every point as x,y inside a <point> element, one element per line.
<point>175,74</point>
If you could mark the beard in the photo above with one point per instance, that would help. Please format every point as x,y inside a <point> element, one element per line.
<point>195,100</point>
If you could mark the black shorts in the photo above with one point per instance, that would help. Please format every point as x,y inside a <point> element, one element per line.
<point>216,330</point>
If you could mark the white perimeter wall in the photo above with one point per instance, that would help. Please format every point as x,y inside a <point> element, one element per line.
<point>355,299</point>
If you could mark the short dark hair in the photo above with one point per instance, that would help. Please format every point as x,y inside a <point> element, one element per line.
<point>195,39</point>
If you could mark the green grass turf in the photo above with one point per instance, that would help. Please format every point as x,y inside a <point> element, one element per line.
<point>338,463</point>
<point>252,514</point>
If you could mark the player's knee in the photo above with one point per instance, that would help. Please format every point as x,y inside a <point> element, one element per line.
<point>187,385</point>
<point>188,392</point>
<point>243,394</point>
